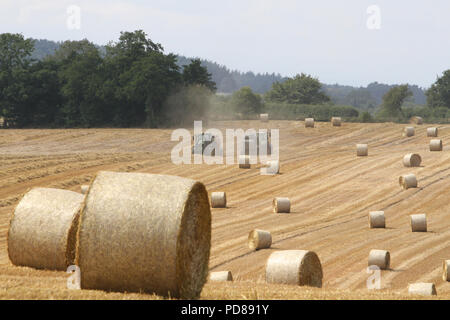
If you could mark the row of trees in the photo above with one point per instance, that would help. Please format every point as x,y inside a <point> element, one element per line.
<point>132,84</point>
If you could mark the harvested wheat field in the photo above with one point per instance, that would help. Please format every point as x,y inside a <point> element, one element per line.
<point>331,193</point>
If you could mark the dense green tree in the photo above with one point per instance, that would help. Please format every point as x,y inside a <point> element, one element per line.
<point>302,89</point>
<point>394,99</point>
<point>246,103</point>
<point>439,93</point>
<point>195,74</point>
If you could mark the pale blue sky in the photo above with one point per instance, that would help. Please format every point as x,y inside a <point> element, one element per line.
<point>326,38</point>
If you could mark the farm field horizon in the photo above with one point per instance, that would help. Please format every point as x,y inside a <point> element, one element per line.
<point>331,190</point>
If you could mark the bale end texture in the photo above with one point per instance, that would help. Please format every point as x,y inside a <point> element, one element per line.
<point>309,123</point>
<point>42,231</point>
<point>294,267</point>
<point>144,232</point>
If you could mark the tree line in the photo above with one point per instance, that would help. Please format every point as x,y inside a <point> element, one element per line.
<point>133,83</point>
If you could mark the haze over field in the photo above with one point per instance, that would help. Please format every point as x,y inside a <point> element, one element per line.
<point>326,38</point>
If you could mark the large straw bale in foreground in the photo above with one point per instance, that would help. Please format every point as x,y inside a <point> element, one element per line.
<point>412,160</point>
<point>296,267</point>
<point>144,232</point>
<point>259,239</point>
<point>42,231</point>
<point>422,289</point>
<point>408,181</point>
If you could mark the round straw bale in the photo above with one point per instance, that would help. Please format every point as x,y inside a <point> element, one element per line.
<point>417,120</point>
<point>309,123</point>
<point>145,232</point>
<point>422,289</point>
<point>221,276</point>
<point>244,162</point>
<point>336,121</point>
<point>218,200</point>
<point>362,150</point>
<point>380,258</point>
<point>432,132</point>
<point>412,160</point>
<point>409,132</point>
<point>281,205</point>
<point>436,145</point>
<point>273,168</point>
<point>84,189</point>
<point>446,273</point>
<point>259,239</point>
<point>264,117</point>
<point>408,181</point>
<point>42,232</point>
<point>377,220</point>
<point>419,223</point>
<point>295,267</point>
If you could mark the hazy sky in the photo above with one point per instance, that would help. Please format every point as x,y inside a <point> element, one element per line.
<point>326,38</point>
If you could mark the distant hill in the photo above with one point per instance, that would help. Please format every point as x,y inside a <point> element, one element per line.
<point>229,81</point>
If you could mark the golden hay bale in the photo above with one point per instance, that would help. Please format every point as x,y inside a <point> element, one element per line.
<point>377,220</point>
<point>362,150</point>
<point>417,120</point>
<point>446,273</point>
<point>295,267</point>
<point>309,123</point>
<point>408,181</point>
<point>412,160</point>
<point>145,232</point>
<point>336,121</point>
<point>422,289</point>
<point>84,189</point>
<point>42,232</point>
<point>432,132</point>
<point>218,200</point>
<point>380,258</point>
<point>409,132</point>
<point>221,276</point>
<point>281,205</point>
<point>244,162</point>
<point>264,117</point>
<point>436,145</point>
<point>272,169</point>
<point>259,239</point>
<point>419,223</point>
